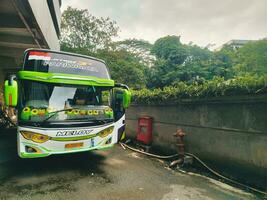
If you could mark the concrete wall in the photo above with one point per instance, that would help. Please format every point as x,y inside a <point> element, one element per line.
<point>229,134</point>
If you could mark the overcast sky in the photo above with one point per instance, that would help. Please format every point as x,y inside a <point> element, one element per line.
<point>199,21</point>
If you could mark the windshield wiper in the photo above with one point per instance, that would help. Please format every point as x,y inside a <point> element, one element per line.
<point>54,113</point>
<point>104,121</point>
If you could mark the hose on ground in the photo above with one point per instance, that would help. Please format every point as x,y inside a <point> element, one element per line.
<point>224,177</point>
<point>148,154</point>
<point>201,162</point>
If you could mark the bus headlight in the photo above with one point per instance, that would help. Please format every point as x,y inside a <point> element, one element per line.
<point>105,132</point>
<point>35,137</point>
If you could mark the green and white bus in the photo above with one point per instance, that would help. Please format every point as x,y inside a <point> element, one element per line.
<point>66,103</point>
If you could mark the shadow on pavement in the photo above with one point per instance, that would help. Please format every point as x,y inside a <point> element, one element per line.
<point>58,173</point>
<point>81,163</point>
<point>44,175</point>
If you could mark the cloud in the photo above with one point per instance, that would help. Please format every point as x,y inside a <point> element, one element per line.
<point>199,21</point>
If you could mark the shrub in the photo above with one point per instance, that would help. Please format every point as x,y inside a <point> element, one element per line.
<point>217,87</point>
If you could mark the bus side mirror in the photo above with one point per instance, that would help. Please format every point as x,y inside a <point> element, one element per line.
<point>123,96</point>
<point>11,91</point>
<point>126,101</point>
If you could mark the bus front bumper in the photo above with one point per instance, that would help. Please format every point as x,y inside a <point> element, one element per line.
<point>39,150</point>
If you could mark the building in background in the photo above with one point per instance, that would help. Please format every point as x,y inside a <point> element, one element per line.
<point>234,44</point>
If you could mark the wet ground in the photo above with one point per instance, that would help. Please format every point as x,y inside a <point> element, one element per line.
<point>110,174</point>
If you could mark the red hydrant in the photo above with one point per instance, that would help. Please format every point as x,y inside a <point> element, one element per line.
<point>180,142</point>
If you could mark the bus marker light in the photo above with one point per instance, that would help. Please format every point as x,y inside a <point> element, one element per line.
<point>74,145</point>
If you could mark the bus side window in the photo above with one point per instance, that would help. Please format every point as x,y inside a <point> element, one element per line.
<point>117,104</point>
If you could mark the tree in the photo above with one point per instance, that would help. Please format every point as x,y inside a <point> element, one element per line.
<point>171,49</point>
<point>197,64</point>
<point>125,67</point>
<point>139,48</point>
<point>169,53</point>
<point>82,31</point>
<point>179,62</point>
<point>166,62</point>
<point>222,64</point>
<point>251,58</point>
<point>85,34</point>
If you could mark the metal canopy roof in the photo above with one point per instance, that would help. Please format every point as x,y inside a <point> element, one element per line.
<point>27,24</point>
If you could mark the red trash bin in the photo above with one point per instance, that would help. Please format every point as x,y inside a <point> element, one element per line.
<point>144,131</point>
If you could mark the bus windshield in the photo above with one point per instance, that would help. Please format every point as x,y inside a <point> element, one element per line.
<point>41,101</point>
<point>60,62</point>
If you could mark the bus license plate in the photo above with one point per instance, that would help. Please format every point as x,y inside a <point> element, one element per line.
<point>73,145</point>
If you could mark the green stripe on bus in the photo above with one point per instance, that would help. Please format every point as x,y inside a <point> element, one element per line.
<point>63,139</point>
<point>33,155</point>
<point>64,78</point>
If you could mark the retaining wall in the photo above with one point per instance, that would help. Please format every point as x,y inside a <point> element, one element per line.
<point>230,134</point>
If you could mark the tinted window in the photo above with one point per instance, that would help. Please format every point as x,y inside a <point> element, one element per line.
<point>63,63</point>
<point>40,99</point>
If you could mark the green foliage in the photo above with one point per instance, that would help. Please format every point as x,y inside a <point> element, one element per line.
<point>197,64</point>
<point>222,64</point>
<point>124,67</point>
<point>139,48</point>
<point>171,49</point>
<point>173,70</point>
<point>85,34</point>
<point>192,63</point>
<point>134,45</point>
<point>200,64</point>
<point>251,58</point>
<point>216,87</point>
<point>81,30</point>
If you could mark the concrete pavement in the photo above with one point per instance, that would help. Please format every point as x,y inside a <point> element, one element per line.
<point>111,174</point>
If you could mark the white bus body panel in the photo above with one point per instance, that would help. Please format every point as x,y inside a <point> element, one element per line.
<point>58,147</point>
